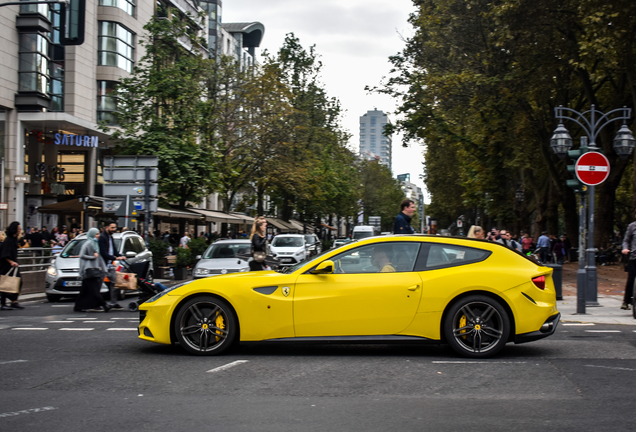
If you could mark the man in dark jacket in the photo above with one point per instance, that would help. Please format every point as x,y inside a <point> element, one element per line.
<point>629,247</point>
<point>108,250</point>
<point>402,223</point>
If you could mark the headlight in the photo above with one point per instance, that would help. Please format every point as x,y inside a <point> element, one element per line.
<point>300,252</point>
<point>52,271</point>
<point>201,271</point>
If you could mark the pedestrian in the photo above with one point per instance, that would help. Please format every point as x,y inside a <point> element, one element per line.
<point>35,239</point>
<point>526,244</point>
<point>402,224</point>
<point>92,271</point>
<point>559,251</point>
<point>543,243</point>
<point>629,248</point>
<point>62,237</point>
<point>9,261</point>
<point>108,252</point>
<point>184,241</point>
<point>567,245</point>
<point>46,235</point>
<point>476,232</point>
<point>259,244</point>
<point>505,238</point>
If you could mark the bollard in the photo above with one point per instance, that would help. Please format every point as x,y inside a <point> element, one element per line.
<point>557,277</point>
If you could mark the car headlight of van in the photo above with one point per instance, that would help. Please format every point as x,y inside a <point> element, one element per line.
<point>300,252</point>
<point>51,271</point>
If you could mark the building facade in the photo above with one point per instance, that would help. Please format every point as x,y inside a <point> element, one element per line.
<point>375,144</point>
<point>53,97</point>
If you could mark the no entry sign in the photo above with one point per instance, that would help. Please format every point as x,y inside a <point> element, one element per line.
<point>592,168</point>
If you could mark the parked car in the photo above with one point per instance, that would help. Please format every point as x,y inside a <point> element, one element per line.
<point>63,279</point>
<point>339,242</point>
<point>223,256</point>
<point>473,295</point>
<point>363,231</point>
<point>289,249</point>
<point>313,244</point>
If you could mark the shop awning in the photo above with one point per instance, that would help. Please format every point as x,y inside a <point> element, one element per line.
<point>176,214</point>
<point>218,216</point>
<point>283,226</point>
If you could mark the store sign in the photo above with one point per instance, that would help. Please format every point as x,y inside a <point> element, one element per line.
<point>76,140</point>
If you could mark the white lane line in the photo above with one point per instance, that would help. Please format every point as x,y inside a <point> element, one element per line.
<point>121,328</point>
<point>60,322</point>
<point>26,411</point>
<point>577,324</point>
<point>12,361</point>
<point>228,366</point>
<point>77,329</point>
<point>609,367</point>
<point>69,305</point>
<point>91,322</point>
<point>80,319</point>
<point>120,318</point>
<point>29,328</point>
<point>473,362</point>
<point>603,331</point>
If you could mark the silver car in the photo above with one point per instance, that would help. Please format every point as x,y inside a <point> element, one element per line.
<point>63,279</point>
<point>223,256</point>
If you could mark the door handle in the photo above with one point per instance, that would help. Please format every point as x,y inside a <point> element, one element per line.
<point>413,288</point>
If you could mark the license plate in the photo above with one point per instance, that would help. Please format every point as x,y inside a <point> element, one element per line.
<point>72,283</point>
<point>286,260</point>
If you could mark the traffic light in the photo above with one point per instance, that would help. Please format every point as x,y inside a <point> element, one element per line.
<point>72,22</point>
<point>574,156</point>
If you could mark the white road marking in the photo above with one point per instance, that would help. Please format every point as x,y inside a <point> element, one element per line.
<point>122,328</point>
<point>29,328</point>
<point>80,319</point>
<point>473,362</point>
<point>609,367</point>
<point>26,411</point>
<point>61,322</point>
<point>603,331</point>
<point>120,318</point>
<point>12,361</point>
<point>577,324</point>
<point>77,329</point>
<point>91,322</point>
<point>68,305</point>
<point>228,366</point>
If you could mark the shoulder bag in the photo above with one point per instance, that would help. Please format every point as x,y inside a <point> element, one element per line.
<point>10,283</point>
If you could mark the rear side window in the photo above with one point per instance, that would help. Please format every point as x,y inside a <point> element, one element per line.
<point>444,255</point>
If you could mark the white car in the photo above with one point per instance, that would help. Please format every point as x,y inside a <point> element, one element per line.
<point>224,256</point>
<point>289,249</point>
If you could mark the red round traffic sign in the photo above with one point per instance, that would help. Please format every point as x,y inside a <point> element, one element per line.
<point>592,168</point>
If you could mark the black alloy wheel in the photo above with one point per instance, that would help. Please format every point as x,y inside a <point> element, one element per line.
<point>477,326</point>
<point>206,325</point>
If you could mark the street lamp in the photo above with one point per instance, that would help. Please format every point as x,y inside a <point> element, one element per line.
<point>519,195</point>
<point>591,122</point>
<point>561,141</point>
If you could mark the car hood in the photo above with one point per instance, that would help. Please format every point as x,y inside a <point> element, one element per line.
<point>67,263</point>
<point>221,263</point>
<point>279,249</point>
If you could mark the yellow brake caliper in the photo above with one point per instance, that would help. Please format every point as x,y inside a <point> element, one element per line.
<point>462,323</point>
<point>220,324</point>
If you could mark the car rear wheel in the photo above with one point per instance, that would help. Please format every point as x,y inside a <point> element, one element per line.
<point>477,326</point>
<point>206,325</point>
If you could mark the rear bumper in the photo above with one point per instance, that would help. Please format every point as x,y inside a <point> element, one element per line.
<point>548,328</point>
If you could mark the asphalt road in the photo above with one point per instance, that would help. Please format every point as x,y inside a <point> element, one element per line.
<point>65,371</point>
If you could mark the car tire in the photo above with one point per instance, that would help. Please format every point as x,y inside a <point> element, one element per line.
<point>476,326</point>
<point>53,298</point>
<point>206,325</point>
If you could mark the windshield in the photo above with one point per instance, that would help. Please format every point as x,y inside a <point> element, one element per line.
<point>227,250</point>
<point>287,242</point>
<point>357,235</point>
<point>73,248</point>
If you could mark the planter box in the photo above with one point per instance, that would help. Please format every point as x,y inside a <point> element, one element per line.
<point>162,272</point>
<point>180,273</point>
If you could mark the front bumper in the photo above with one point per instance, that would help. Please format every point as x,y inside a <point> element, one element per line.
<point>548,328</point>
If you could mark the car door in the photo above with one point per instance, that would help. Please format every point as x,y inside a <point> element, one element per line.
<point>358,299</point>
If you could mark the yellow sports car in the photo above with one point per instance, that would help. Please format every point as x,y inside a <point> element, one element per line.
<point>472,294</point>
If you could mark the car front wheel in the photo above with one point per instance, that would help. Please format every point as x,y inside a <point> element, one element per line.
<point>206,325</point>
<point>477,326</point>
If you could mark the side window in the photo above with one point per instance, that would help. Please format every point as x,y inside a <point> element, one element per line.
<point>378,258</point>
<point>139,245</point>
<point>129,245</point>
<point>443,255</point>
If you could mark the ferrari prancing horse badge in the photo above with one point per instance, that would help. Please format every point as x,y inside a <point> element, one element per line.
<point>285,291</point>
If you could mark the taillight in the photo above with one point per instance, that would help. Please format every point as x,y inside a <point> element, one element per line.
<point>539,281</point>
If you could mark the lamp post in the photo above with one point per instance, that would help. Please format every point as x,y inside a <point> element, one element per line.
<point>591,122</point>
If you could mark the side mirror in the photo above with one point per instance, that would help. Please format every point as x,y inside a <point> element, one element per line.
<point>325,267</point>
<point>131,254</point>
<point>198,257</point>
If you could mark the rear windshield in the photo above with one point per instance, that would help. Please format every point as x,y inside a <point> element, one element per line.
<point>227,250</point>
<point>287,242</point>
<point>73,248</point>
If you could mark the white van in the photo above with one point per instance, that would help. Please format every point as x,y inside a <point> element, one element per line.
<point>363,231</point>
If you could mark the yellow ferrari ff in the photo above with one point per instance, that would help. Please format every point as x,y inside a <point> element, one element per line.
<point>471,294</point>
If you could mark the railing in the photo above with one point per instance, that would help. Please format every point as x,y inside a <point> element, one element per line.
<point>34,259</point>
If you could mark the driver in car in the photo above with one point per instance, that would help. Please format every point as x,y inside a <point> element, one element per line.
<point>381,259</point>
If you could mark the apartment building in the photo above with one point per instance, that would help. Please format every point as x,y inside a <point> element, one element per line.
<point>375,144</point>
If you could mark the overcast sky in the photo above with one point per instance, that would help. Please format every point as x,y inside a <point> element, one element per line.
<point>354,39</point>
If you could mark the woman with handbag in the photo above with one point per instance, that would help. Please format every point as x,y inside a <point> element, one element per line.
<point>9,264</point>
<point>259,244</point>
<point>92,270</point>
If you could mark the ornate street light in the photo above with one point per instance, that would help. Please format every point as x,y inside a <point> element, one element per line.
<point>561,141</point>
<point>624,142</point>
<point>519,195</point>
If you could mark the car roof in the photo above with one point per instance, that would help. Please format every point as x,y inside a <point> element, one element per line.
<point>115,235</point>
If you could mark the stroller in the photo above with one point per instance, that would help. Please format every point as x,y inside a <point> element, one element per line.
<point>146,289</point>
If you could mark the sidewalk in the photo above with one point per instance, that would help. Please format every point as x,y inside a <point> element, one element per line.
<point>609,311</point>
